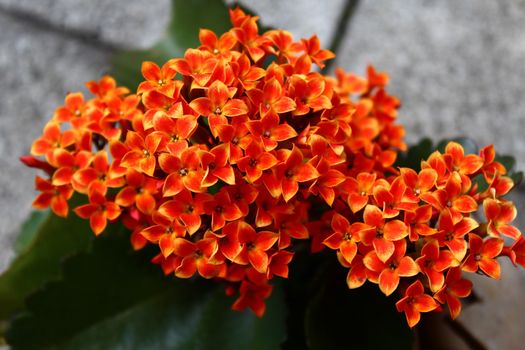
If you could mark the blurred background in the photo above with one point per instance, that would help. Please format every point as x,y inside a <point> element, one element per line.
<point>457,66</point>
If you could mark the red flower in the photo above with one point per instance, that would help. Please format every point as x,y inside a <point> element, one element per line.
<point>452,234</point>
<point>140,191</point>
<point>455,287</point>
<point>185,208</point>
<point>242,195</point>
<point>100,173</point>
<point>215,45</point>
<point>252,296</point>
<point>452,197</point>
<point>157,79</point>
<point>458,161</point>
<point>499,214</point>
<point>163,233</point>
<point>99,210</point>
<point>178,129</point>
<point>54,196</point>
<point>142,153</point>
<point>216,163</point>
<point>67,164</point>
<point>421,183</point>
<point>392,198</point>
<point>418,222</point>
<point>414,302</point>
<point>74,107</point>
<point>433,262</point>
<point>326,183</point>
<point>382,234</point>
<point>52,139</point>
<point>255,246</point>
<point>345,237</point>
<point>256,161</point>
<point>196,64</point>
<point>271,99</point>
<point>268,208</point>
<point>482,256</point>
<point>219,102</point>
<point>221,209</point>
<point>269,130</point>
<point>293,171</point>
<point>309,94</point>
<point>183,171</point>
<point>314,51</point>
<point>278,264</point>
<point>359,190</point>
<point>398,265</point>
<point>196,257</point>
<point>518,251</point>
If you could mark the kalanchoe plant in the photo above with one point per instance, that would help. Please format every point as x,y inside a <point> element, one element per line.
<point>225,159</point>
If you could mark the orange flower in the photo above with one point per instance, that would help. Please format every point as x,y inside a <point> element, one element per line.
<point>433,262</point>
<point>345,237</point>
<point>454,288</point>
<point>359,190</point>
<point>499,214</point>
<point>159,79</point>
<point>256,161</point>
<point>271,99</point>
<point>482,256</point>
<point>255,246</point>
<point>99,210</point>
<point>270,131</point>
<point>380,233</point>
<point>54,196</point>
<point>185,208</point>
<point>415,302</point>
<point>196,257</point>
<point>293,171</point>
<point>141,156</point>
<point>398,265</point>
<point>219,102</point>
<point>221,209</point>
<point>51,140</point>
<point>458,161</point>
<point>183,172</point>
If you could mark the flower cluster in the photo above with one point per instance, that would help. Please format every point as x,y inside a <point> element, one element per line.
<point>227,156</point>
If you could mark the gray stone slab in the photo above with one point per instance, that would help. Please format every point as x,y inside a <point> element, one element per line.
<point>302,18</point>
<point>122,23</point>
<point>38,69</point>
<point>456,65</point>
<point>497,319</point>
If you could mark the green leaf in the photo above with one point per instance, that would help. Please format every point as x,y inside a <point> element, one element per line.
<point>30,229</point>
<point>112,298</point>
<point>40,258</point>
<point>415,154</point>
<point>509,162</point>
<point>188,17</point>
<point>339,318</point>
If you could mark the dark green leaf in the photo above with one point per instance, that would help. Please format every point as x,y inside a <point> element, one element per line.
<point>112,298</point>
<point>415,154</point>
<point>517,177</point>
<point>30,229</point>
<point>509,162</point>
<point>55,239</point>
<point>183,33</point>
<point>339,318</point>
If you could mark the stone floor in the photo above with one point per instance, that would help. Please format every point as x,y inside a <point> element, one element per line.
<point>456,65</point>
